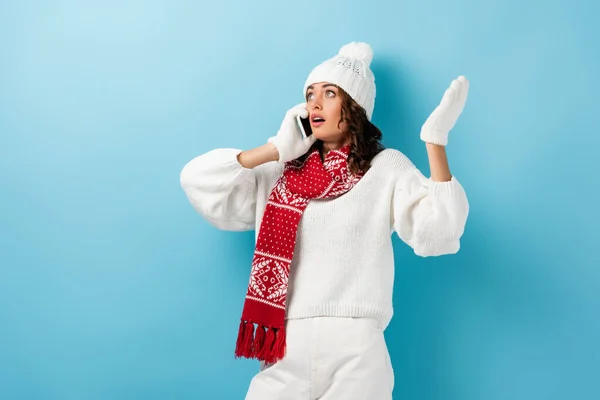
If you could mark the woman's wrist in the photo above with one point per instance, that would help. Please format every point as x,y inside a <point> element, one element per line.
<point>260,155</point>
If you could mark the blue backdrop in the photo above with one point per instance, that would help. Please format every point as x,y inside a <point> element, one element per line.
<point>111,287</point>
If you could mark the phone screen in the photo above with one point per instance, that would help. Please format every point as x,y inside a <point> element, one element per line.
<point>304,124</point>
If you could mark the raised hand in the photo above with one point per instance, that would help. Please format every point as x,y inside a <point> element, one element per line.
<point>437,127</point>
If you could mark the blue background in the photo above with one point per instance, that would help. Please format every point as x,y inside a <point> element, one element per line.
<point>111,287</point>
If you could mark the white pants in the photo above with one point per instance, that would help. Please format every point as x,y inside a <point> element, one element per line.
<point>328,358</point>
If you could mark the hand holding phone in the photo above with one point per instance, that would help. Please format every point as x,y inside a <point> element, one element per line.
<point>290,145</point>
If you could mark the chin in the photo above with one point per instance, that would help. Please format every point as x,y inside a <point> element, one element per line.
<point>328,136</point>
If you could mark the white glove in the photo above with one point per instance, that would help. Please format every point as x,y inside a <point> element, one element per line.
<point>437,127</point>
<point>289,140</point>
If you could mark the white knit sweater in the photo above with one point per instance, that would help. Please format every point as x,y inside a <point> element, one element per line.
<point>343,261</point>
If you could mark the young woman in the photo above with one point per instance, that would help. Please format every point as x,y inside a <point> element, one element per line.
<point>324,209</point>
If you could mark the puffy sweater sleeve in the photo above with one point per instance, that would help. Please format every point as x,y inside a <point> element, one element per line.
<point>221,190</point>
<point>427,215</point>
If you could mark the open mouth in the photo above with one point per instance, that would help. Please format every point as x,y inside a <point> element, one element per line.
<point>317,121</point>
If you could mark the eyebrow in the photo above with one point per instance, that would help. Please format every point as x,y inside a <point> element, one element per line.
<point>325,85</point>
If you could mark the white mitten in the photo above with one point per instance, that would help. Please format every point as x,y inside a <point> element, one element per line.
<point>437,127</point>
<point>289,141</point>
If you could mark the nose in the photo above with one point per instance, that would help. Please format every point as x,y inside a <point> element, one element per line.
<point>315,105</point>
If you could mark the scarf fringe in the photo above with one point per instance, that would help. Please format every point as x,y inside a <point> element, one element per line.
<point>260,342</point>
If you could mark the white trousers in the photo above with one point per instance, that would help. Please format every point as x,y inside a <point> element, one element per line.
<point>328,358</point>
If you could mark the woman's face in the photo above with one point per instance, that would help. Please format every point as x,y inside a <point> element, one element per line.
<point>324,105</point>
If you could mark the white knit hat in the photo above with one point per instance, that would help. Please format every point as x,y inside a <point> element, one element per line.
<point>350,70</point>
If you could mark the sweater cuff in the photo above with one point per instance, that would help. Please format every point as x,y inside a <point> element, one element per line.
<point>231,164</point>
<point>428,248</point>
<point>444,189</point>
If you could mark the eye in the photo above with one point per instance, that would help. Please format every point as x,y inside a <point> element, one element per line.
<point>330,93</point>
<point>309,96</point>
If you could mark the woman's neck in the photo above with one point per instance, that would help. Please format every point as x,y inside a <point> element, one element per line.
<point>335,145</point>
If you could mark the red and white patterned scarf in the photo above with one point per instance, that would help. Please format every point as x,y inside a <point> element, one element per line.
<point>265,302</point>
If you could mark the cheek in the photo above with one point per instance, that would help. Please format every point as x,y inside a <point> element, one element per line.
<point>335,115</point>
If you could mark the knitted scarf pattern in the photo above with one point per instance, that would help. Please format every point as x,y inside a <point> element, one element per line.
<point>262,328</point>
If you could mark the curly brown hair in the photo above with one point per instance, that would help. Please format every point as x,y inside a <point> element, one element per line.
<point>365,136</point>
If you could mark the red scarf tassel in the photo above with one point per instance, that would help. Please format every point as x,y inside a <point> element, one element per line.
<point>262,343</point>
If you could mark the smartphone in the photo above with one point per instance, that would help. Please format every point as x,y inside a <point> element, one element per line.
<point>304,124</point>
